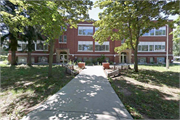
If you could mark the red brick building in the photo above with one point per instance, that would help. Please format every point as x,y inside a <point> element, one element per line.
<point>79,44</point>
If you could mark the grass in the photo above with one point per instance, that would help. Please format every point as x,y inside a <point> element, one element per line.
<point>152,93</point>
<point>23,88</point>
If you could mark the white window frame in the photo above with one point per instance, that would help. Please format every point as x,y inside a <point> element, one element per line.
<point>85,27</point>
<point>154,44</point>
<point>85,42</point>
<point>164,28</point>
<point>21,42</point>
<point>104,43</point>
<point>43,45</point>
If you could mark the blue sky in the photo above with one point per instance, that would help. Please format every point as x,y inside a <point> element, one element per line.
<point>95,11</point>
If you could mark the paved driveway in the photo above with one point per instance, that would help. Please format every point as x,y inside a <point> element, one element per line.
<point>88,96</point>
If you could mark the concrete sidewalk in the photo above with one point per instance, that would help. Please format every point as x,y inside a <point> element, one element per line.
<point>88,96</point>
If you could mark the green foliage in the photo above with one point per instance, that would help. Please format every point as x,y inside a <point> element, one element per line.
<point>101,59</point>
<point>53,16</point>
<point>127,20</point>
<point>3,57</point>
<point>88,62</point>
<point>176,38</point>
<point>111,62</point>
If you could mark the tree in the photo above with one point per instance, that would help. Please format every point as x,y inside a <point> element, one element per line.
<point>12,19</point>
<point>176,38</point>
<point>30,35</point>
<point>52,16</point>
<point>128,20</point>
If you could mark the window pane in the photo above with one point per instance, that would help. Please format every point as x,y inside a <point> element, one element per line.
<point>60,39</point>
<point>96,47</point>
<point>163,47</point>
<point>157,47</point>
<point>107,47</point>
<point>139,48</point>
<point>158,32</point>
<point>146,34</point>
<point>85,30</point>
<point>152,32</point>
<point>65,38</point>
<point>160,59</point>
<point>144,47</point>
<point>20,47</point>
<point>39,46</point>
<point>104,47</point>
<point>161,31</point>
<point>86,46</point>
<point>151,47</point>
<point>141,60</point>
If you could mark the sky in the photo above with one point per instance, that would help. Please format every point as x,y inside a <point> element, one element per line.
<point>93,13</point>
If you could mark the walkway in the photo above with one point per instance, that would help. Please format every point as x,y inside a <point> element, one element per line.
<point>88,96</point>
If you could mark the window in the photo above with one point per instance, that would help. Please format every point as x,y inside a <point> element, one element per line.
<point>142,60</point>
<point>63,39</point>
<point>102,48</point>
<point>156,32</point>
<point>42,59</point>
<point>86,31</point>
<point>40,46</point>
<point>161,31</point>
<point>144,47</point>
<point>159,47</point>
<point>85,46</point>
<point>151,46</point>
<point>22,59</point>
<point>151,60</point>
<point>160,60</point>
<point>139,48</point>
<point>22,46</point>
<point>60,39</point>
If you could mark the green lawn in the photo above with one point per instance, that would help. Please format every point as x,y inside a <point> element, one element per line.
<point>22,88</point>
<point>153,93</point>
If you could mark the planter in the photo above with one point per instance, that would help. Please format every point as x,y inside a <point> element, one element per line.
<point>105,65</point>
<point>81,64</point>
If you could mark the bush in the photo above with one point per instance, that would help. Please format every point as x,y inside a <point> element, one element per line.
<point>101,59</point>
<point>88,62</point>
<point>111,62</point>
<point>3,57</point>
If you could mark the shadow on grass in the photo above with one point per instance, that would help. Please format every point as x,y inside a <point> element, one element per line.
<point>145,103</point>
<point>167,78</point>
<point>28,86</point>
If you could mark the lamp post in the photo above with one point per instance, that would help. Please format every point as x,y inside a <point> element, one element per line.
<point>167,44</point>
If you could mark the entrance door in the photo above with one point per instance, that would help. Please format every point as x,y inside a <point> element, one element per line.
<point>123,57</point>
<point>63,57</point>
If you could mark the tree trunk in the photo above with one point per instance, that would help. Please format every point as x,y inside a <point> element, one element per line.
<point>135,60</point>
<point>29,59</point>
<point>13,58</point>
<point>51,58</point>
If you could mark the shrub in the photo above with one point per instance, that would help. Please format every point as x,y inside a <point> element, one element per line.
<point>101,59</point>
<point>111,62</point>
<point>94,61</point>
<point>88,62</point>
